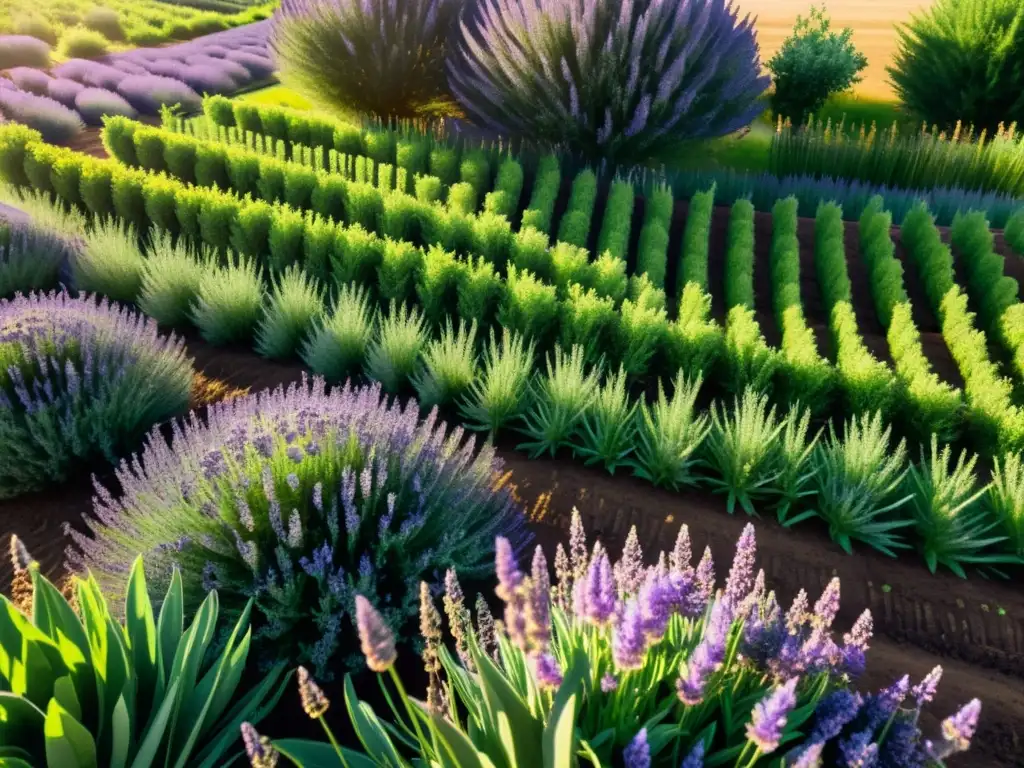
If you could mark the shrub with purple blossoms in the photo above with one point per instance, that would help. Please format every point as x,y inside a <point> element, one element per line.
<point>93,104</point>
<point>382,57</point>
<point>149,93</point>
<point>626,664</point>
<point>29,79</point>
<point>80,379</point>
<point>52,119</point>
<point>301,499</point>
<point>625,80</point>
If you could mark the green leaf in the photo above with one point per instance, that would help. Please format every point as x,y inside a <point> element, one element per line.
<point>64,693</point>
<point>170,626</point>
<point>14,762</point>
<point>121,735</point>
<point>560,732</point>
<point>317,754</point>
<point>457,750</point>
<point>368,729</point>
<point>68,743</point>
<point>525,734</point>
<point>146,756</point>
<point>21,724</point>
<point>222,687</point>
<point>142,640</point>
<point>29,660</point>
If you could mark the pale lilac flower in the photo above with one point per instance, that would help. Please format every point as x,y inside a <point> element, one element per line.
<point>638,753</point>
<point>741,575</point>
<point>808,756</point>
<point>695,759</point>
<point>547,671</point>
<point>577,546</point>
<point>827,606</point>
<point>958,729</point>
<point>595,596</point>
<point>768,720</point>
<point>609,683</point>
<point>629,570</point>
<point>629,643</point>
<point>682,555</point>
<point>314,703</point>
<point>924,691</point>
<point>375,637</point>
<point>509,575</point>
<point>258,749</point>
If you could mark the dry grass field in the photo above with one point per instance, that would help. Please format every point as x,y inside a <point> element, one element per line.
<point>873,23</point>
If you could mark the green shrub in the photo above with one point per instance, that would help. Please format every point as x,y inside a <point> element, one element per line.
<point>959,61</point>
<point>589,321</point>
<point>569,264</point>
<point>607,430</point>
<point>695,340</point>
<point>294,306</point>
<point>81,43</point>
<point>37,27</point>
<point>575,225</point>
<point>337,347</point>
<point>1005,500</point>
<point>95,184</point>
<point>182,159</point>
<point>149,150</point>
<point>529,307</point>
<point>1013,233</point>
<point>462,198</point>
<point>508,187</point>
<point>444,164</point>
<point>285,239</point>
<point>357,256</point>
<point>171,279</point>
<point>670,434</point>
<point>31,257</point>
<point>617,220</point>
<point>229,303</point>
<point>693,263</point>
<point>250,231</point>
<point>105,21</point>
<point>529,251</point>
<point>397,271</point>
<point>147,689</point>
<point>479,292</point>
<point>739,256</point>
<point>641,331</point>
<point>448,368</point>
<point>492,238</point>
<point>394,355</point>
<point>559,398</point>
<point>546,186</point>
<point>812,64</point>
<point>501,393</point>
<point>437,282</point>
<point>748,360</point>
<point>110,262</point>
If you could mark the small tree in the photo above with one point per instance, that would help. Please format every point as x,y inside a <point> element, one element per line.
<point>812,64</point>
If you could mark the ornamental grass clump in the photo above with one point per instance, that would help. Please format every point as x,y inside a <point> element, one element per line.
<point>84,687</point>
<point>31,257</point>
<point>625,665</point>
<point>110,261</point>
<point>385,59</point>
<point>302,498</point>
<point>622,81</point>
<point>81,380</point>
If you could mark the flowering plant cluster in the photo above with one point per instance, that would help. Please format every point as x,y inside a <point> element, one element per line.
<point>627,664</point>
<point>80,379</point>
<point>300,499</point>
<point>624,81</point>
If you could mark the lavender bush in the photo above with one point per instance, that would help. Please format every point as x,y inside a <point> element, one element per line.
<point>31,257</point>
<point>301,498</point>
<point>29,79</point>
<point>95,103</point>
<point>260,67</point>
<point>80,379</point>
<point>624,80</point>
<point>207,79</point>
<point>148,93</point>
<point>95,74</point>
<point>23,51</point>
<point>52,119</point>
<point>64,90</point>
<point>636,666</point>
<point>381,58</point>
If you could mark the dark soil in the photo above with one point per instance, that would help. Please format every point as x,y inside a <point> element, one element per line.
<point>974,629</point>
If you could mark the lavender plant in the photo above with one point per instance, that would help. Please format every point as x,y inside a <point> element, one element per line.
<point>302,498</point>
<point>80,380</point>
<point>56,122</point>
<point>381,58</point>
<point>624,81</point>
<point>110,261</point>
<point>624,665</point>
<point>31,257</point>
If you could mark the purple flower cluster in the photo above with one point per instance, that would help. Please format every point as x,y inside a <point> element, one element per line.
<point>90,379</point>
<point>52,119</point>
<point>617,80</point>
<point>304,498</point>
<point>29,79</point>
<point>93,104</point>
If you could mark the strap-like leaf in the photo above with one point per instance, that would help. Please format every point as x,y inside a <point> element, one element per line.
<point>368,729</point>
<point>21,725</point>
<point>142,640</point>
<point>560,732</point>
<point>121,735</point>
<point>146,756</point>
<point>170,626</point>
<point>525,733</point>
<point>68,743</point>
<point>317,754</point>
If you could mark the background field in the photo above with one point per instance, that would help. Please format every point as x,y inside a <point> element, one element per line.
<point>873,23</point>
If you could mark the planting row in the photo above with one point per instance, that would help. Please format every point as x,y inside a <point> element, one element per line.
<point>296,127</point>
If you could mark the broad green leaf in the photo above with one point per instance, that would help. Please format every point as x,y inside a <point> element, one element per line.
<point>23,647</point>
<point>68,743</point>
<point>560,732</point>
<point>64,693</point>
<point>170,626</point>
<point>142,640</point>
<point>14,762</point>
<point>368,729</point>
<point>456,747</point>
<point>318,754</point>
<point>525,732</point>
<point>121,734</point>
<point>187,662</point>
<point>54,617</point>
<point>21,724</point>
<point>146,756</point>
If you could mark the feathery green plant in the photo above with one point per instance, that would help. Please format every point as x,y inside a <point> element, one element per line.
<point>670,432</point>
<point>559,400</point>
<point>395,352</point>
<point>449,366</point>
<point>171,279</point>
<point>796,470</point>
<point>296,303</point>
<point>501,392</point>
<point>1005,499</point>
<point>607,432</point>
<point>230,301</point>
<point>336,348</point>
<point>110,261</point>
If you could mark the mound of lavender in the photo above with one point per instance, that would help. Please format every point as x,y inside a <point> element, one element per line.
<point>652,666</point>
<point>624,81</point>
<point>52,119</point>
<point>301,498</point>
<point>23,51</point>
<point>82,380</point>
<point>31,257</point>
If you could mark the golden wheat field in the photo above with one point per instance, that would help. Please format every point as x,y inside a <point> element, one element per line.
<point>873,23</point>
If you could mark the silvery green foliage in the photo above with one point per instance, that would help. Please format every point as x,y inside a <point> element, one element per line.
<point>31,257</point>
<point>382,57</point>
<point>301,498</point>
<point>623,80</point>
<point>80,380</point>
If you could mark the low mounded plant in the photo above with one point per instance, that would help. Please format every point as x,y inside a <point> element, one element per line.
<point>624,81</point>
<point>301,499</point>
<point>82,43</point>
<point>80,380</point>
<point>23,51</point>
<point>83,686</point>
<point>628,665</point>
<point>110,262</point>
<point>30,79</point>
<point>93,104</point>
<point>31,257</point>
<point>106,21</point>
<point>383,59</point>
<point>52,119</point>
<point>149,93</point>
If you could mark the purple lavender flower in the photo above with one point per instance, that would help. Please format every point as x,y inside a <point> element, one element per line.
<point>807,756</point>
<point>595,599</point>
<point>609,683</point>
<point>768,720</point>
<point>704,583</point>
<point>378,644</point>
<point>314,703</point>
<point>695,759</point>
<point>924,691</point>
<point>859,751</point>
<point>509,575</point>
<point>638,753</point>
<point>260,751</point>
<point>833,713</point>
<point>577,546</point>
<point>547,670</point>
<point>958,729</point>
<point>629,642</point>
<point>796,616</point>
<point>629,570</point>
<point>741,575</point>
<point>682,553</point>
<point>656,599</point>
<point>827,607</point>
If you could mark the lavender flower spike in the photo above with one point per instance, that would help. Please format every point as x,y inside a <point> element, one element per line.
<point>595,595</point>
<point>258,749</point>
<point>769,717</point>
<point>741,575</point>
<point>808,756</point>
<point>638,753</point>
<point>696,757</point>
<point>629,570</point>
<point>958,729</point>
<point>924,691</point>
<point>314,703</point>
<point>375,637</point>
<point>509,575</point>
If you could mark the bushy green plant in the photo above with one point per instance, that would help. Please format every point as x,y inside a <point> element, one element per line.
<point>293,308</point>
<point>105,21</point>
<point>559,400</point>
<point>82,43</point>
<point>741,448</point>
<point>394,355</point>
<point>669,434</point>
<point>336,348</point>
<point>747,358</point>
<point>859,486</point>
<point>796,468</point>
<point>695,341</point>
<point>626,665</point>
<point>171,278</point>
<point>230,301</point>
<point>607,430</point>
<point>31,257</point>
<point>1005,500</point>
<point>110,262</point>
<point>85,687</point>
<point>400,49</point>
<point>316,496</point>
<point>1013,233</point>
<point>953,526</point>
<point>501,393</point>
<point>80,381</point>
<point>529,306</point>
<point>959,60</point>
<point>449,366</point>
<point>812,64</point>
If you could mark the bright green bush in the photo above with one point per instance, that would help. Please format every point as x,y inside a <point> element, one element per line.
<point>394,354</point>
<point>229,304</point>
<point>82,43</point>
<point>336,349</point>
<point>110,262</point>
<point>293,308</point>
<point>559,399</point>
